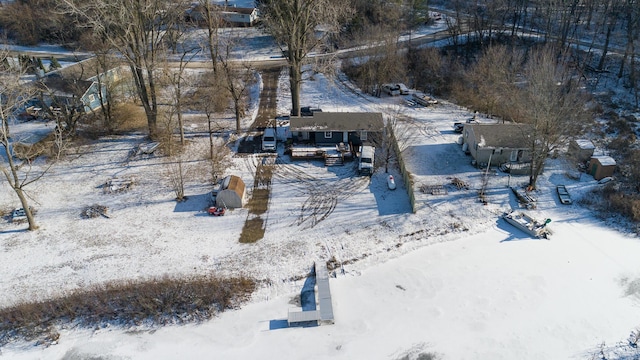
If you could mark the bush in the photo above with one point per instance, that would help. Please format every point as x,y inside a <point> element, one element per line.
<point>126,303</point>
<point>129,117</point>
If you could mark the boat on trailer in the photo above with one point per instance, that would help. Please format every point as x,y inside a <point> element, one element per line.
<point>528,224</point>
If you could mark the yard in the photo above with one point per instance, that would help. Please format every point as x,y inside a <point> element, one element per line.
<point>451,278</point>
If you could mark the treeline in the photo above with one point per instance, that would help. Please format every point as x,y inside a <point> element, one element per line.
<point>30,22</point>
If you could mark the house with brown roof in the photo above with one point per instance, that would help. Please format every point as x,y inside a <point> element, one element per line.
<point>329,128</point>
<point>498,143</point>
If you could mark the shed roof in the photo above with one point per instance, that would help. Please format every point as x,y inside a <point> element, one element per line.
<point>514,136</point>
<point>338,121</point>
<point>604,160</point>
<point>584,144</point>
<point>237,185</point>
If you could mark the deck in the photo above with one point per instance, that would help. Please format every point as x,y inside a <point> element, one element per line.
<point>331,154</point>
<point>324,307</point>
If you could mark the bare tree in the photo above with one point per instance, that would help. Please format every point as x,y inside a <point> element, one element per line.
<point>299,26</point>
<point>210,99</point>
<point>492,81</point>
<point>384,62</point>
<point>238,78</point>
<point>137,30</point>
<point>176,77</point>
<point>62,102</point>
<point>551,101</point>
<point>18,170</point>
<point>209,14</point>
<point>176,174</point>
<point>399,131</point>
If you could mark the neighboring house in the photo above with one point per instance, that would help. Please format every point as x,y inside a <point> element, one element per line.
<point>601,166</point>
<point>328,128</point>
<point>232,192</point>
<point>230,15</point>
<point>498,143</point>
<point>69,87</point>
<point>81,94</point>
<point>581,149</point>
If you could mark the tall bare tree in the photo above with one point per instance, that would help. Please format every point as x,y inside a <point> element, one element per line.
<point>177,78</point>
<point>237,77</point>
<point>299,26</point>
<point>18,170</point>
<point>137,30</point>
<point>209,16</point>
<point>551,101</point>
<point>210,99</point>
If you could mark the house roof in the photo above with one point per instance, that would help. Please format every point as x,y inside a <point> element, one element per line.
<point>604,160</point>
<point>337,121</point>
<point>513,136</point>
<point>66,87</point>
<point>584,144</point>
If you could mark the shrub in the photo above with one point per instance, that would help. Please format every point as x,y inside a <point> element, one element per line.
<point>126,303</point>
<point>129,117</point>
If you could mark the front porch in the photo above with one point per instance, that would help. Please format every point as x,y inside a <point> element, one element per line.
<point>333,155</point>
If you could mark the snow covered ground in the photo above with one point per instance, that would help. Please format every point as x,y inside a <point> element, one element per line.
<point>452,279</point>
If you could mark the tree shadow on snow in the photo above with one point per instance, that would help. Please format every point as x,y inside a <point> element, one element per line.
<point>390,202</point>
<point>193,203</point>
<point>307,303</point>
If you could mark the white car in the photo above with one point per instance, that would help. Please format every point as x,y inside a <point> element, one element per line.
<point>391,182</point>
<point>18,215</point>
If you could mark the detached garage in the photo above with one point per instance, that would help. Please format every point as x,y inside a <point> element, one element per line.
<point>231,194</point>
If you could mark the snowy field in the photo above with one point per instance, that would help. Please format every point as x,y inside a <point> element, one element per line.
<point>452,279</point>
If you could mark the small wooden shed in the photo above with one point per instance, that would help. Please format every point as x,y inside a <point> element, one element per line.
<point>601,166</point>
<point>581,149</point>
<point>232,194</point>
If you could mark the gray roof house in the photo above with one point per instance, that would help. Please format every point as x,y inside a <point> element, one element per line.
<point>336,127</point>
<point>502,143</point>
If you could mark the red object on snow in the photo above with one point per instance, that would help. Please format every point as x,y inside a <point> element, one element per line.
<point>216,211</point>
<point>391,183</point>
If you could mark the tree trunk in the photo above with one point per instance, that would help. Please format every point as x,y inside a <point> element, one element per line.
<point>295,74</point>
<point>236,103</point>
<point>210,137</point>
<point>605,48</point>
<point>27,209</point>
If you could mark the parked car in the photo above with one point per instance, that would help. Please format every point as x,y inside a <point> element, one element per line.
<point>307,111</point>
<point>269,140</point>
<point>391,89</point>
<point>217,211</point>
<point>366,160</point>
<point>563,195</point>
<point>404,90</point>
<point>18,215</point>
